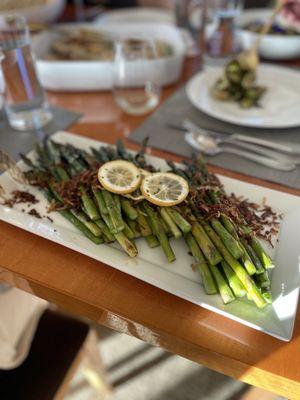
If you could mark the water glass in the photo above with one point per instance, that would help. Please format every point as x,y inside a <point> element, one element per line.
<point>25,102</point>
<point>190,18</point>
<point>137,75</point>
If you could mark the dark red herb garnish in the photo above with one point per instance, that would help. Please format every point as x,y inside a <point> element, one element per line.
<point>34,213</point>
<point>19,196</point>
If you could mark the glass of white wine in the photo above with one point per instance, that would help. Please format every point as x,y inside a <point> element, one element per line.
<point>137,75</point>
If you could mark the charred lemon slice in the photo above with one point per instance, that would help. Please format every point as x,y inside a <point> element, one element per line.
<point>164,189</point>
<point>119,176</point>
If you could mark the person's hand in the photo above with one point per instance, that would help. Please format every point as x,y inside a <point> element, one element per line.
<point>290,14</point>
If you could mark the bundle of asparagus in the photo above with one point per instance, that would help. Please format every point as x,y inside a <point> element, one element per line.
<point>224,245</point>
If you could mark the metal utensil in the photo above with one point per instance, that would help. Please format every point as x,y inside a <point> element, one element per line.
<point>249,59</point>
<point>285,148</point>
<point>281,147</point>
<point>211,147</point>
<point>244,144</point>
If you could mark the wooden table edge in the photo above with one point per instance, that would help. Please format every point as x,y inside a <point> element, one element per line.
<point>142,330</point>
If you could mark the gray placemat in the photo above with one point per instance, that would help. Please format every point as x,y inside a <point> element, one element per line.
<point>178,107</point>
<point>14,142</point>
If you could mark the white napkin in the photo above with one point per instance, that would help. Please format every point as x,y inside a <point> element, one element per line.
<point>19,316</point>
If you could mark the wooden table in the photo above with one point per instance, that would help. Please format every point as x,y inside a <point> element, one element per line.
<point>88,288</point>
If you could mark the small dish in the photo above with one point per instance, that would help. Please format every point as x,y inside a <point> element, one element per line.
<point>272,47</point>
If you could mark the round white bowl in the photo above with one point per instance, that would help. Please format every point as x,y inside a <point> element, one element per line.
<point>48,12</point>
<point>272,47</point>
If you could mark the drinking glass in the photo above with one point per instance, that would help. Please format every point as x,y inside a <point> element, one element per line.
<point>211,24</point>
<point>190,18</point>
<point>222,41</point>
<point>137,75</point>
<point>25,103</point>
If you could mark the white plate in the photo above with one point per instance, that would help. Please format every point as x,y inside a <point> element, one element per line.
<point>137,15</point>
<point>279,105</point>
<point>273,47</point>
<point>98,75</point>
<point>179,278</point>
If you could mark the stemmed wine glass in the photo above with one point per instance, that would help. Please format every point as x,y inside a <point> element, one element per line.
<point>137,75</point>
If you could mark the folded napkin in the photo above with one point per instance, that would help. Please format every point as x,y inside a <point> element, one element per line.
<point>19,316</point>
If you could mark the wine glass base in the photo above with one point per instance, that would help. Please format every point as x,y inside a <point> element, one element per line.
<point>29,120</point>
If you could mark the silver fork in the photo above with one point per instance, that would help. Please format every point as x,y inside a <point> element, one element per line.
<point>212,146</point>
<point>260,146</point>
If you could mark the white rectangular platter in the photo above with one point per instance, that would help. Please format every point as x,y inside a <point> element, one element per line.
<point>178,278</point>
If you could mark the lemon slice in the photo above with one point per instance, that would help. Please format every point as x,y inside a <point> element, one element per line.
<point>119,176</point>
<point>164,189</point>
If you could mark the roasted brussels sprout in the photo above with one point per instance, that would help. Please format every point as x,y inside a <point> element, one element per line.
<point>238,84</point>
